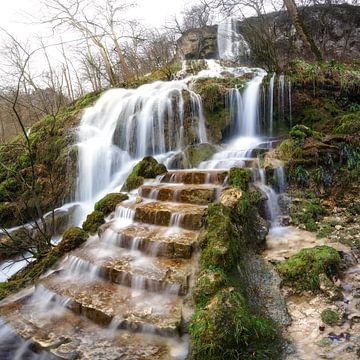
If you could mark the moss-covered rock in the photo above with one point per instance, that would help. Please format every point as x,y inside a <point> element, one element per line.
<point>240,178</point>
<point>195,154</point>
<point>302,270</point>
<point>225,329</point>
<point>108,203</point>
<point>147,168</point>
<point>72,239</point>
<point>220,244</point>
<point>330,317</point>
<point>289,149</point>
<point>93,222</point>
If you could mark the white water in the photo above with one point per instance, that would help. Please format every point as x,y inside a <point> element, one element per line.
<point>231,44</point>
<point>281,97</point>
<point>271,104</point>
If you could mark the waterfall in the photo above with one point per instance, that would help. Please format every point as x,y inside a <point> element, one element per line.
<point>281,96</point>
<point>271,103</point>
<point>250,111</point>
<point>198,113</point>
<point>290,105</point>
<point>128,124</point>
<point>231,44</point>
<point>235,106</point>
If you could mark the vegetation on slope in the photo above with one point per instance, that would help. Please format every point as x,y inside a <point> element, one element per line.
<point>223,325</point>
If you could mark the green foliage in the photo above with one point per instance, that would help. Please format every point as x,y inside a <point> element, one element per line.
<point>108,203</point>
<point>147,168</point>
<point>330,317</point>
<point>289,149</point>
<point>240,178</point>
<point>93,221</point>
<point>302,270</point>
<point>225,329</point>
<point>301,132</point>
<point>301,175</point>
<point>349,124</point>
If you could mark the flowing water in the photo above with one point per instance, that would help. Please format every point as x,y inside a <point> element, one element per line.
<point>133,276</point>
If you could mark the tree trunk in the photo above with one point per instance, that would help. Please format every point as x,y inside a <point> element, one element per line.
<point>302,30</point>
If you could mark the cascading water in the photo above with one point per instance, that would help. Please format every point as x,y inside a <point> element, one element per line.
<point>231,44</point>
<point>281,96</point>
<point>271,104</point>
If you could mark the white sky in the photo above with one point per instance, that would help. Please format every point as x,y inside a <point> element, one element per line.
<point>13,13</point>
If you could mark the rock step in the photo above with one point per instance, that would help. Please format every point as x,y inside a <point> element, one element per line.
<point>151,239</point>
<point>161,275</point>
<point>194,177</point>
<point>120,307</point>
<point>68,336</point>
<point>192,194</point>
<point>187,216</point>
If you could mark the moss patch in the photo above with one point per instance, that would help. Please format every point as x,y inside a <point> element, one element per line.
<point>302,270</point>
<point>240,178</point>
<point>108,203</point>
<point>93,221</point>
<point>147,168</point>
<point>330,317</point>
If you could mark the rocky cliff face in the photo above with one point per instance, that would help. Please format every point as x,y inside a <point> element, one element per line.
<point>198,44</point>
<point>336,30</point>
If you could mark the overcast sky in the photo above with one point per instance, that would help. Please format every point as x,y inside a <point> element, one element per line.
<point>13,14</point>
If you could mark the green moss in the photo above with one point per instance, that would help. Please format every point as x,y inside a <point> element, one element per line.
<point>225,329</point>
<point>195,154</point>
<point>93,221</point>
<point>289,149</point>
<point>220,244</point>
<point>223,326</point>
<point>302,270</point>
<point>240,178</point>
<point>72,239</point>
<point>349,124</point>
<point>208,283</point>
<point>330,317</point>
<point>108,203</point>
<point>147,168</point>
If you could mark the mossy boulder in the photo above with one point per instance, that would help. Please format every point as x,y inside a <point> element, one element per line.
<point>240,178</point>
<point>72,239</point>
<point>302,271</point>
<point>93,221</point>
<point>301,132</point>
<point>225,329</point>
<point>147,168</point>
<point>289,149</point>
<point>108,203</point>
<point>193,155</point>
<point>330,317</point>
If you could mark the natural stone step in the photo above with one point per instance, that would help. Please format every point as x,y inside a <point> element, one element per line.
<point>151,239</point>
<point>125,268</point>
<point>106,303</point>
<point>194,177</point>
<point>187,216</point>
<point>192,194</point>
<point>69,336</point>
